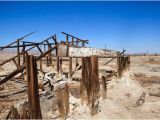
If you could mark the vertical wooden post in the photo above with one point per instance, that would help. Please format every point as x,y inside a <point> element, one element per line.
<point>70,68</point>
<point>44,47</point>
<point>49,56</point>
<point>77,58</point>
<point>32,79</point>
<point>40,62</point>
<point>94,76</point>
<point>46,56</point>
<point>89,87</point>
<point>23,52</point>
<point>66,39</point>
<point>104,88</point>
<point>72,40</point>
<point>58,65</point>
<point>18,51</point>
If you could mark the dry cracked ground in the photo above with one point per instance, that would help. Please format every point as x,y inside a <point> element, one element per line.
<point>142,80</point>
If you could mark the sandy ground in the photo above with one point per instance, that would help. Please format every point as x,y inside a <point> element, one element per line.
<point>122,94</point>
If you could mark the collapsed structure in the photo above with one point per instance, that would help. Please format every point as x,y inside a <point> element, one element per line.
<point>51,50</point>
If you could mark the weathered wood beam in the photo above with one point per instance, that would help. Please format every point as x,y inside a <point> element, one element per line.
<point>22,67</point>
<point>32,79</point>
<point>79,40</point>
<point>115,57</point>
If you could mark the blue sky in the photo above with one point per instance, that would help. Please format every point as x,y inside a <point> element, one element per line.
<point>134,26</point>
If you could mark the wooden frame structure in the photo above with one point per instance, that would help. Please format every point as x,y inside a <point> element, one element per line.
<point>29,63</point>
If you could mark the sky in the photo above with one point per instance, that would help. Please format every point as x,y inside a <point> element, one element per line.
<point>134,26</point>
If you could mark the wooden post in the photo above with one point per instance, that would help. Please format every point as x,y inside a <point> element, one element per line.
<point>46,56</point>
<point>95,87</point>
<point>18,51</point>
<point>63,101</point>
<point>70,68</point>
<point>40,62</point>
<point>66,39</point>
<point>89,87</point>
<point>47,63</point>
<point>77,58</point>
<point>23,51</point>
<point>58,65</point>
<point>72,40</point>
<point>33,93</point>
<point>104,88</point>
<point>49,56</point>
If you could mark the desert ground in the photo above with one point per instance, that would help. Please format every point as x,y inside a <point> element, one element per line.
<point>143,77</point>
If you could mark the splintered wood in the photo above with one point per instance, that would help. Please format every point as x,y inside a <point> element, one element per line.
<point>63,101</point>
<point>13,113</point>
<point>89,87</point>
<point>123,63</point>
<point>26,112</point>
